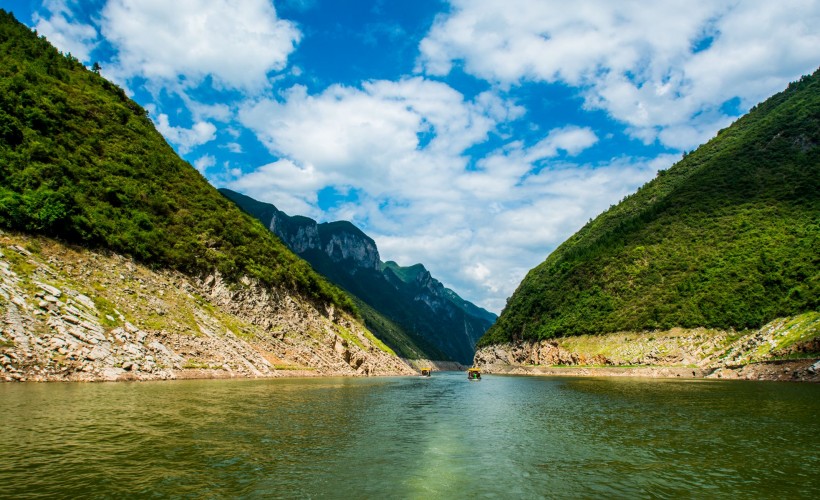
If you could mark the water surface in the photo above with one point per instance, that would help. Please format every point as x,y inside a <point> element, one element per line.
<point>442,437</point>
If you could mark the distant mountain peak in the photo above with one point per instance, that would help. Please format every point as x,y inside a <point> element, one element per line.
<point>409,298</point>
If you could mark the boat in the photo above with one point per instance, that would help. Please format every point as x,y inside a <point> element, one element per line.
<point>474,374</point>
<point>426,372</point>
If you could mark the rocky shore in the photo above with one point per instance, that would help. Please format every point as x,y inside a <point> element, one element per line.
<point>68,314</point>
<point>786,349</point>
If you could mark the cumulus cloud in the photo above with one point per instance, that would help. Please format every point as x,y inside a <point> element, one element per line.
<point>663,68</point>
<point>204,162</point>
<point>292,188</point>
<point>570,139</point>
<point>216,111</point>
<point>388,138</point>
<point>63,30</point>
<point>235,43</point>
<point>401,147</point>
<point>233,147</point>
<point>185,139</point>
<point>497,239</point>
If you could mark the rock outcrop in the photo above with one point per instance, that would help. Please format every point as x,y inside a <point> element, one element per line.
<point>785,349</point>
<point>72,314</point>
<point>431,315</point>
<point>344,243</point>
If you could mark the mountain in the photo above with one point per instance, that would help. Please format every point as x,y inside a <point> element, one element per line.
<point>728,238</point>
<point>419,310</point>
<point>81,164</point>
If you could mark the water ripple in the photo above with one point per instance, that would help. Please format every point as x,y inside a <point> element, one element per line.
<point>444,437</point>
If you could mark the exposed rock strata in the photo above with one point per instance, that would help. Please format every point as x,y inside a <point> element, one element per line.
<point>71,314</point>
<point>676,353</point>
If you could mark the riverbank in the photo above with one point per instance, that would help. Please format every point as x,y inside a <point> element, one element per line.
<point>70,314</point>
<point>784,349</point>
<point>804,370</point>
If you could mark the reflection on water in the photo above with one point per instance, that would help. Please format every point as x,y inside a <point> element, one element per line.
<point>442,437</point>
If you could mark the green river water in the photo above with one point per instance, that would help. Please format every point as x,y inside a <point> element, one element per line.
<point>442,437</point>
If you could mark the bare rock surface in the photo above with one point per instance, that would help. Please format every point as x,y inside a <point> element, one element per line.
<point>68,314</point>
<point>784,349</point>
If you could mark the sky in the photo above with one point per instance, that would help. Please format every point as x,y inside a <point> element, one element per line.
<point>473,136</point>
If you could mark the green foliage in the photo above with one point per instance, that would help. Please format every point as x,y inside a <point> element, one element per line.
<point>388,298</point>
<point>729,237</point>
<point>82,162</point>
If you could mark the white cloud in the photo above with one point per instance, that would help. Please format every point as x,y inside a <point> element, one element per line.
<point>204,162</point>
<point>488,244</point>
<point>182,42</point>
<point>185,139</point>
<point>233,147</point>
<point>64,31</point>
<point>216,111</point>
<point>285,184</point>
<point>664,68</point>
<point>570,139</point>
<point>401,147</point>
<point>388,138</point>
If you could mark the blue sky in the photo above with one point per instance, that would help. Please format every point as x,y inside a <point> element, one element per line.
<point>473,136</point>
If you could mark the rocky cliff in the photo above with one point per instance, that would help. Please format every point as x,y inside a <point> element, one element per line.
<point>72,314</point>
<point>439,323</point>
<point>347,245</point>
<point>784,349</point>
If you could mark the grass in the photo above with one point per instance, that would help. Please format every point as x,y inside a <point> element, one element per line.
<point>292,367</point>
<point>800,329</point>
<point>240,328</point>
<point>106,309</point>
<point>345,334</point>
<point>197,364</point>
<point>796,330</point>
<point>796,356</point>
<point>378,343</point>
<point>19,264</point>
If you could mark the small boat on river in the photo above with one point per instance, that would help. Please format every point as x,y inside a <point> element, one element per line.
<point>474,374</point>
<point>426,372</point>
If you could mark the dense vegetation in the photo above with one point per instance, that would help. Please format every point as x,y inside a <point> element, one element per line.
<point>82,162</point>
<point>729,237</point>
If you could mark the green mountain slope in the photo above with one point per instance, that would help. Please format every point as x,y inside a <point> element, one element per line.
<point>406,307</point>
<point>415,273</point>
<point>729,237</point>
<point>81,162</point>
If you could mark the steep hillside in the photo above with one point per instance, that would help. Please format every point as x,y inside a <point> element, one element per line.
<point>728,238</point>
<point>82,163</point>
<point>67,313</point>
<point>405,306</point>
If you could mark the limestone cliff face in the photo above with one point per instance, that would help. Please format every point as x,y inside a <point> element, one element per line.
<point>300,234</point>
<point>431,292</point>
<point>422,308</point>
<point>784,349</point>
<point>343,242</point>
<point>70,314</point>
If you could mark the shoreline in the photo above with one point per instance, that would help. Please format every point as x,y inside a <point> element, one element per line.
<point>114,374</point>
<point>195,374</point>
<point>798,370</point>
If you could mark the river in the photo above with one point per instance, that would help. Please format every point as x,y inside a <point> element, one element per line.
<point>442,437</point>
